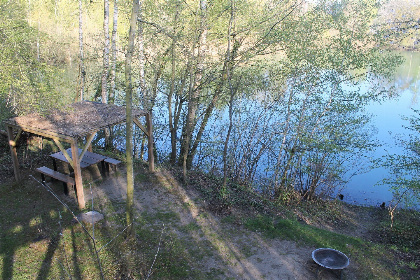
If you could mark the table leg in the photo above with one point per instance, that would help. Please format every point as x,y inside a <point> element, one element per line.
<point>103,168</point>
<point>66,189</point>
<point>55,168</point>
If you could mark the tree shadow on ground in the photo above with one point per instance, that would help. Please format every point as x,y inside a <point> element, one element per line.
<point>30,233</point>
<point>177,237</point>
<point>33,221</point>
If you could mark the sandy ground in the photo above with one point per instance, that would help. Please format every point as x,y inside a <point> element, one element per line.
<point>239,253</point>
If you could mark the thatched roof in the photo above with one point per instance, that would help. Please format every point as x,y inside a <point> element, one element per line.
<point>76,120</point>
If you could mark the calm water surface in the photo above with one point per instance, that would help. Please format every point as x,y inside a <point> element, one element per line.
<point>365,188</point>
<point>387,118</point>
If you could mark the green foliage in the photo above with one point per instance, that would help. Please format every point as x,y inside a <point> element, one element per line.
<point>289,63</point>
<point>398,24</point>
<point>27,78</point>
<point>294,113</point>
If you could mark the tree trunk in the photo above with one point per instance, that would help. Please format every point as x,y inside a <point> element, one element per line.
<point>176,117</point>
<point>104,80</point>
<point>172,126</point>
<point>142,62</point>
<point>111,99</point>
<point>291,155</point>
<point>227,66</point>
<point>82,73</point>
<point>232,97</point>
<point>282,151</point>
<point>172,130</point>
<point>129,118</point>
<point>105,70</point>
<point>194,92</point>
<point>185,136</point>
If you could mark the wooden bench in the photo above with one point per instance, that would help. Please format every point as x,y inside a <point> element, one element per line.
<point>67,180</point>
<point>111,161</point>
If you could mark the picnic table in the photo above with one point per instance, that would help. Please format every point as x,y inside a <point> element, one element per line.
<point>87,160</point>
<point>76,123</point>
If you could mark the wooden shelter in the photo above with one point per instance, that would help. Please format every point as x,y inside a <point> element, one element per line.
<point>76,123</point>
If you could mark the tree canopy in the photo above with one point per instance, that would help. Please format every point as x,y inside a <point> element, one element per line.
<point>286,73</point>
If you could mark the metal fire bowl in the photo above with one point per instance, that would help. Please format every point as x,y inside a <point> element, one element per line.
<point>330,258</point>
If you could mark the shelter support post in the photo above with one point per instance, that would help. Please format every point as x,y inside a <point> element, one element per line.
<point>12,145</point>
<point>63,150</point>
<point>88,146</point>
<point>77,174</point>
<point>139,125</point>
<point>150,141</point>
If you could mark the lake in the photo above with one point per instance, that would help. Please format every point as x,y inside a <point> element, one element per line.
<point>387,118</point>
<point>361,189</point>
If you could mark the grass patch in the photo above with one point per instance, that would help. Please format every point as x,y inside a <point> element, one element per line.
<point>193,226</point>
<point>375,259</point>
<point>39,241</point>
<point>405,232</point>
<point>403,241</point>
<point>176,259</point>
<point>300,233</point>
<point>160,217</point>
<point>141,177</point>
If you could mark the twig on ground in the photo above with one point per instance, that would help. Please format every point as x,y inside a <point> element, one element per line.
<point>93,224</point>
<point>114,237</point>
<point>63,268</point>
<point>157,252</point>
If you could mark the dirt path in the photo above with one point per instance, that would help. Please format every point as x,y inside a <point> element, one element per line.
<point>233,252</point>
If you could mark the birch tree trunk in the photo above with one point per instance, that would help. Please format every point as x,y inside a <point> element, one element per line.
<point>111,99</point>
<point>129,118</point>
<point>82,73</point>
<point>142,75</point>
<point>105,70</point>
<point>104,80</point>
<point>142,61</point>
<point>173,124</point>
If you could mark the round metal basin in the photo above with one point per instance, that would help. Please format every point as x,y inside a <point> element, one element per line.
<point>330,258</point>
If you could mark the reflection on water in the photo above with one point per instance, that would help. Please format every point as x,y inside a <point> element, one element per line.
<point>364,188</point>
<point>361,189</point>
